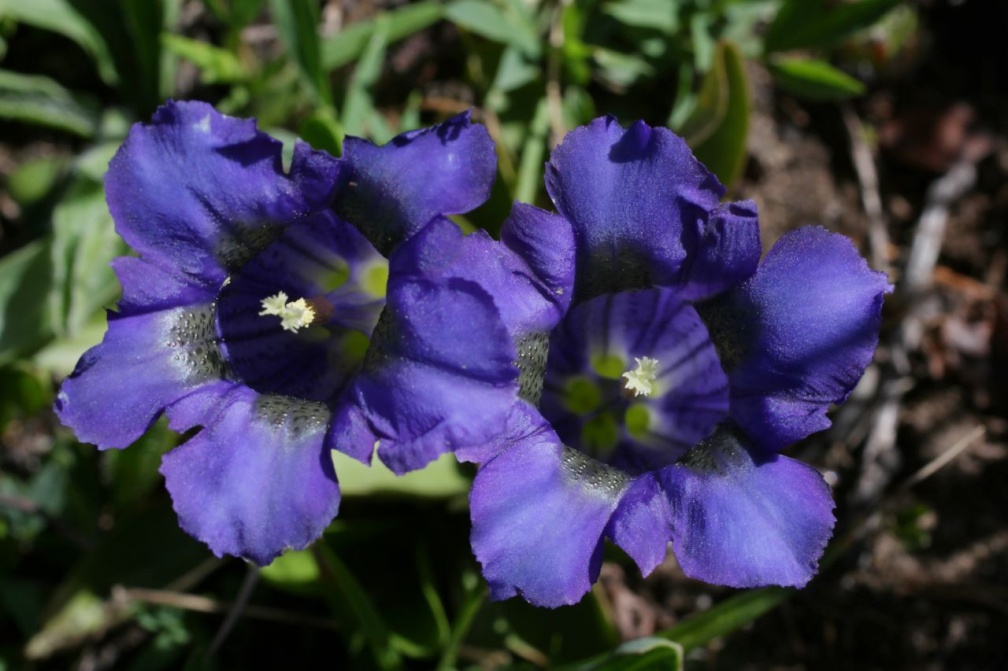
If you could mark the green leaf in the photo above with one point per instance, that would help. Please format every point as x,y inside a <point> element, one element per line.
<point>84,244</point>
<point>322,130</point>
<point>514,71</point>
<point>25,281</point>
<point>297,22</point>
<point>42,101</point>
<point>643,654</point>
<point>347,45</point>
<point>359,115</point>
<point>33,180</point>
<point>820,24</point>
<point>658,15</point>
<point>719,124</point>
<point>814,79</point>
<point>59,16</point>
<point>489,20</point>
<point>144,21</point>
<point>439,479</point>
<point>529,178</point>
<point>297,572</point>
<point>727,616</point>
<point>621,69</point>
<point>218,66</point>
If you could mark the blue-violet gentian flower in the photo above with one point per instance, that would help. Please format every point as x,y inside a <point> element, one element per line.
<point>251,305</point>
<point>626,368</point>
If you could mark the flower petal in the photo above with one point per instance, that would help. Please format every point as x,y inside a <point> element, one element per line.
<point>256,479</point>
<point>745,518</point>
<point>439,373</point>
<point>145,363</point>
<point>392,191</point>
<point>798,335</point>
<point>642,524</point>
<point>539,511</point>
<point>727,251</point>
<point>631,195</point>
<point>203,192</point>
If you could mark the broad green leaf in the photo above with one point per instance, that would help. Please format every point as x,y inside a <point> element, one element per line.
<point>820,24</point>
<point>144,21</point>
<point>25,282</point>
<point>42,101</point>
<point>439,479</point>
<point>620,69</point>
<point>727,616</point>
<point>84,244</point>
<point>60,16</point>
<point>295,571</point>
<point>643,654</point>
<point>719,125</point>
<point>297,23</point>
<point>514,70</point>
<point>32,180</point>
<point>347,45</point>
<point>218,66</point>
<point>814,79</point>
<point>322,130</point>
<point>488,19</point>
<point>658,15</point>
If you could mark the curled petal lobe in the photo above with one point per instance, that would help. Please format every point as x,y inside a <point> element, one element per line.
<point>539,511</point>
<point>727,251</point>
<point>256,479</point>
<point>636,198</point>
<point>746,518</point>
<point>798,335</point>
<point>203,192</point>
<point>391,192</point>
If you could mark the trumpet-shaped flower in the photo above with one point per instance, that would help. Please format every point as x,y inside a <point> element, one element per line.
<point>649,366</point>
<point>251,305</point>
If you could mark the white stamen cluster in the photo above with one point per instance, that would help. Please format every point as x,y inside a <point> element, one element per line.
<point>641,379</point>
<point>293,315</point>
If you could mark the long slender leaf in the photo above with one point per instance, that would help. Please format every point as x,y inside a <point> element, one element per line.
<point>359,117</point>
<point>727,616</point>
<point>814,78</point>
<point>297,22</point>
<point>60,16</point>
<point>347,45</point>
<point>723,149</point>
<point>42,101</point>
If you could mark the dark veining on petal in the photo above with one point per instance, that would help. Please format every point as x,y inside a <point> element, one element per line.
<point>238,247</point>
<point>297,416</point>
<point>728,328</point>
<point>716,453</point>
<point>592,473</point>
<point>193,336</point>
<point>533,350</point>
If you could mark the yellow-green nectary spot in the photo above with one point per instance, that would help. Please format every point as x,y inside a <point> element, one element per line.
<point>637,420</point>
<point>336,277</point>
<point>600,434</point>
<point>375,279</point>
<point>608,365</point>
<point>354,346</point>
<point>581,395</point>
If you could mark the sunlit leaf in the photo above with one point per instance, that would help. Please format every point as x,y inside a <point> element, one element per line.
<point>297,23</point>
<point>44,102</point>
<point>718,127</point>
<point>439,479</point>
<point>488,19</point>
<point>60,16</point>
<point>643,654</point>
<point>217,66</point>
<point>814,78</point>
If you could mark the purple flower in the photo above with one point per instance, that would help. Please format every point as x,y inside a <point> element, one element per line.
<point>625,369</point>
<point>251,305</point>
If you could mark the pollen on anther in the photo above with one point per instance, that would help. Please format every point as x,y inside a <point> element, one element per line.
<point>641,379</point>
<point>293,315</point>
